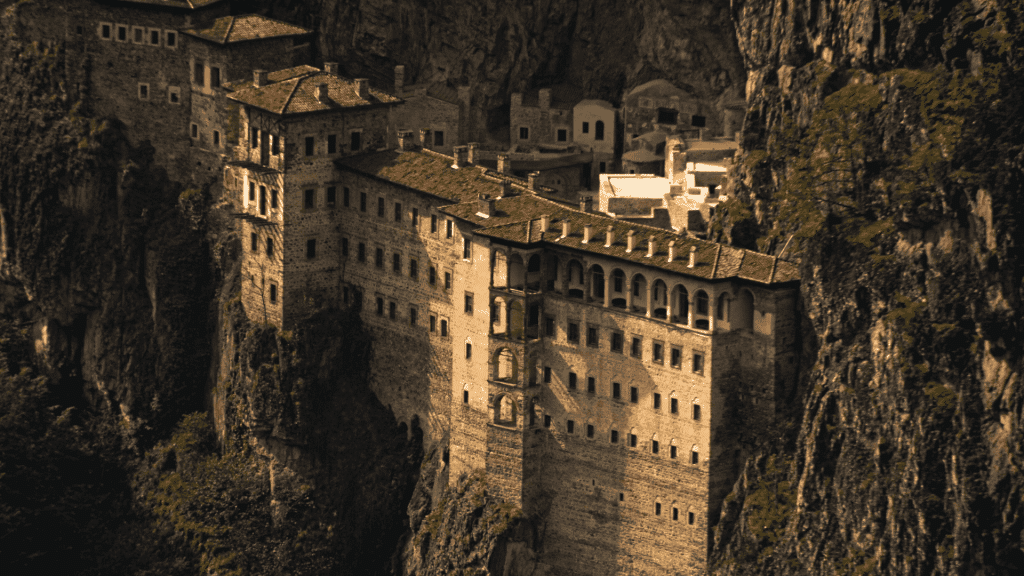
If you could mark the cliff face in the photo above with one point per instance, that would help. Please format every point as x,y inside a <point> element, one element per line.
<point>882,150</point>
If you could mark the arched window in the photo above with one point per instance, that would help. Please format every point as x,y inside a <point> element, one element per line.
<point>702,303</point>
<point>655,446</point>
<point>516,272</point>
<point>534,264</point>
<point>465,393</point>
<point>505,410</point>
<point>575,279</point>
<point>657,507</point>
<point>694,455</point>
<point>596,281</point>
<point>507,367</point>
<point>680,304</point>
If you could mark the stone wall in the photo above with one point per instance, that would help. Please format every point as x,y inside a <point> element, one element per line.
<point>543,123</point>
<point>422,112</point>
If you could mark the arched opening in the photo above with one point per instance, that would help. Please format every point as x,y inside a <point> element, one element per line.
<point>743,311</point>
<point>506,367</point>
<point>551,272</point>
<point>655,445</point>
<point>599,130</point>
<point>574,279</point>
<point>695,455</point>
<point>680,305</point>
<point>500,275</point>
<point>659,299</point>
<point>695,410</point>
<point>618,286</point>
<point>532,413</point>
<point>673,449</point>
<point>499,316</point>
<point>723,306</point>
<point>516,272</point>
<point>516,317</point>
<point>596,282</point>
<point>639,294</point>
<point>701,311</point>
<point>533,273</point>
<point>505,410</point>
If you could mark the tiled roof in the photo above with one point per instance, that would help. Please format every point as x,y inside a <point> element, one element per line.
<point>643,155</point>
<point>297,95</point>
<point>660,87</point>
<point>275,76</point>
<point>247,27</point>
<point>517,219</point>
<point>594,102</point>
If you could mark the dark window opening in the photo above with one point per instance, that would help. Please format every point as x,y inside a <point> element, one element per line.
<point>635,347</point>
<point>414,271</point>
<point>676,357</point>
<point>214,77</point>
<point>273,198</point>
<point>599,130</point>
<point>654,446</point>
<point>696,411</point>
<point>172,39</point>
<point>549,325</point>
<point>392,310</point>
<point>674,406</point>
<point>356,141</point>
<point>694,456</point>
<point>362,201</point>
<point>311,248</point>
<point>632,440</point>
<point>667,116</point>
<point>433,323</point>
<point>254,138</point>
<point>448,228</point>
<point>524,133</point>
<point>154,36</point>
<point>468,304</point>
<point>105,31</point>
<point>698,363</point>
<point>573,334</point>
<point>398,211</point>
<point>309,199</point>
<point>447,280</point>
<point>444,328</point>
<point>616,390</point>
<point>572,380</point>
<point>438,138</point>
<point>592,340</point>
<point>659,353</point>
<point>310,143</point>
<point>591,385</point>
<point>270,247</point>
<point>590,430</point>
<point>634,394</point>
<point>396,263</point>
<point>332,195</point>
<point>689,517</point>
<point>380,207</point>
<point>273,293</point>
<point>412,316</point>
<point>332,144</point>
<point>563,134</point>
<point>615,437</point>
<point>469,351</point>
<point>380,306</point>
<point>345,200</point>
<point>362,252</point>
<point>122,35</point>
<point>570,426</point>
<point>415,217</point>
<point>379,260</point>
<point>432,276</point>
<point>657,401</point>
<point>433,223</point>
<point>672,451</point>
<point>547,374</point>
<point>254,241</point>
<point>657,509</point>
<point>675,513</point>
<point>547,421</point>
<point>617,342</point>
<point>586,128</point>
<point>697,121</point>
<point>465,396</point>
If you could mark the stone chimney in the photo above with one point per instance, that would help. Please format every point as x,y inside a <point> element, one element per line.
<point>504,165</point>
<point>693,257</point>
<point>363,88</point>
<point>544,98</point>
<point>533,177</point>
<point>672,167</point>
<point>506,188</point>
<point>321,94</point>
<point>650,247</point>
<point>406,140</point>
<point>331,68</point>
<point>399,79</point>
<point>671,250</point>
<point>566,228</point>
<point>517,100</point>
<point>609,238</point>
<point>487,206</point>
<point>630,240</point>
<point>472,158</point>
<point>424,138</point>
<point>545,222</point>
<point>587,204</point>
<point>460,154</point>
<point>587,228</point>
<point>259,78</point>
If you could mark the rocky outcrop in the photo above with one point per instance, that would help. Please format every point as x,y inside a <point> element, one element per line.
<point>882,151</point>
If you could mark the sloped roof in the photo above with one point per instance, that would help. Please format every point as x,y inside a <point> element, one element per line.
<point>275,76</point>
<point>643,155</point>
<point>660,87</point>
<point>425,171</point>
<point>230,29</point>
<point>297,94</point>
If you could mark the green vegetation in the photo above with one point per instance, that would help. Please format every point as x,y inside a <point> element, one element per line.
<point>769,505</point>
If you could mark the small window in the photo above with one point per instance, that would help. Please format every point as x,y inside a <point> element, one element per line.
<point>356,141</point>
<point>592,339</point>
<point>690,518</point>
<point>696,411</point>
<point>344,246</point>
<point>433,223</point>
<point>332,195</point>
<point>634,394</point>
<point>590,430</point>
<point>698,363</point>
<point>549,326</point>
<point>658,353</point>
<point>273,293</point>
<point>273,198</point>
<point>345,200</point>
<point>216,137</point>
<point>599,130</point>
<point>122,33</point>
<point>414,271</point>
<point>617,342</point>
<point>138,35</point>
<point>467,249</point>
<point>444,328</point>
<point>524,133</point>
<point>379,258</point>
<point>547,421</point>
<point>591,385</point>
<point>143,91</point>
<point>270,247</point>
<point>263,200</point>
<point>563,134</point>
<point>654,446</point>
<point>674,406</point>
<point>412,315</point>
<point>547,374</point>
<point>392,310</point>
<point>572,380</point>
<point>432,276</point>
<point>310,144</point>
<point>309,199</point>
<point>468,303</point>
<point>570,426</point>
<point>616,390</point>
<point>602,167</point>
<point>438,138</point>
<point>253,242</point>
<point>106,31</point>
<point>398,211</point>
<point>380,207</point>
<point>615,437</point>
<point>675,513</point>
<point>154,37</point>
<point>632,440</point>
<point>667,116</point>
<point>676,358</point>
<point>448,228</point>
<point>657,401</point>
<point>672,452</point>
<point>573,333</point>
<point>198,78</point>
<point>415,217</point>
<point>697,121</point>
<point>635,349</point>
<point>311,248</point>
<point>380,306</point>
<point>465,396</point>
<point>657,509</point>
<point>396,263</point>
<point>586,128</point>
<point>174,97</point>
<point>214,77</point>
<point>254,138</point>
<point>332,144</point>
<point>362,201</point>
<point>78,30</point>
<point>694,455</point>
<point>361,254</point>
<point>469,351</point>
<point>447,280</point>
<point>433,323</point>
<point>170,39</point>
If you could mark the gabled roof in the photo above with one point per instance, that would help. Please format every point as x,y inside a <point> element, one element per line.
<point>517,219</point>
<point>231,29</point>
<point>297,94</point>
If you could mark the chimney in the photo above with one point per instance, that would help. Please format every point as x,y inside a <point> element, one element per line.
<point>693,257</point>
<point>544,98</point>
<point>587,204</point>
<point>702,133</point>
<point>486,205</point>
<point>321,94</point>
<point>472,152</point>
<point>506,188</point>
<point>609,238</point>
<point>586,233</point>
<point>399,79</point>
<point>406,140</point>
<point>363,88</point>
<point>533,177</point>
<point>650,247</point>
<point>331,68</point>
<point>460,153</point>
<point>566,228</point>
<point>671,250</point>
<point>672,171</point>
<point>504,165</point>
<point>424,138</point>
<point>545,222</point>
<point>517,100</point>
<point>259,78</point>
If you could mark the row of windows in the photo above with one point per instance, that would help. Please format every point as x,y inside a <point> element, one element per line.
<point>214,136</point>
<point>398,213</point>
<point>199,75</point>
<point>173,93</point>
<point>331,145</point>
<point>138,35</point>
<point>616,393</point>
<point>617,345</point>
<point>630,439</point>
<point>562,134</point>
<point>397,267</point>
<point>435,324</point>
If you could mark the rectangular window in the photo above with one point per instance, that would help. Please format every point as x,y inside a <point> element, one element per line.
<point>214,77</point>
<point>414,271</point>
<point>263,200</point>
<point>398,211</point>
<point>602,167</point>
<point>433,223</point>
<point>524,133</point>
<point>468,304</point>
<point>252,191</point>
<point>694,457</point>
<point>154,37</point>
<point>344,246</point>
<point>309,199</point>
<point>592,340</point>
<point>698,363</point>
<point>616,390</point>
<point>448,228</point>
<point>667,116</point>
<point>547,374</point>
<point>273,198</point>
<point>635,348</point>
<point>563,134</point>
<point>105,31</point>
<point>361,255</point>
<point>143,91</point>
<point>273,293</point>
<point>392,310</point>
<point>657,401</point>
<point>689,517</point>
<point>412,315</point>
<point>632,440</point>
<point>447,280</point>
<point>465,396</point>
<point>634,394</point>
<point>432,276</point>
<point>362,201</point>
<point>138,35</point>
<point>253,241</point>
<point>170,39</point>
<point>310,144</point>
<point>444,328</point>
<point>590,430</point>
<point>672,452</point>
<point>547,421</point>
<point>615,437</point>
<point>676,357</point>
<point>198,77</point>
<point>433,323</point>
<point>467,249</point>
<point>570,426</point>
<point>396,263</point>
<point>654,446</point>
<point>270,247</point>
<point>697,121</point>
<point>549,326</point>
<point>658,354</point>
<point>216,137</point>
<point>332,195</point>
<point>345,200</point>
<point>591,385</point>
<point>415,217</point>
<point>696,411</point>
<point>573,333</point>
<point>254,138</point>
<point>469,351</point>
<point>174,95</point>
<point>438,138</point>
<point>122,33</point>
<point>311,248</point>
<point>380,207</point>
<point>379,258</point>
<point>674,406</point>
<point>332,144</point>
<point>586,128</point>
<point>572,380</point>
<point>356,141</point>
<point>617,342</point>
<point>380,306</point>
